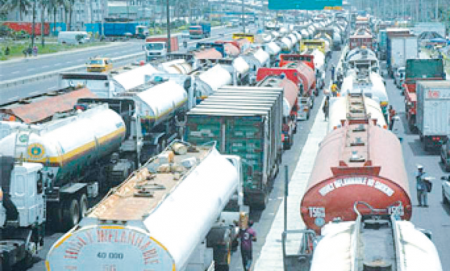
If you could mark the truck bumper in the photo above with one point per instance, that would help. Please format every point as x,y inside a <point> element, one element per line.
<point>433,142</point>
<point>254,197</point>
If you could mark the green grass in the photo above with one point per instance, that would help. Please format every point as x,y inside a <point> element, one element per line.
<point>16,48</point>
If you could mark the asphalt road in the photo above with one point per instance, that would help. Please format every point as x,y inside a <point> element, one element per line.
<point>17,92</point>
<point>47,63</point>
<point>436,217</point>
<point>263,220</point>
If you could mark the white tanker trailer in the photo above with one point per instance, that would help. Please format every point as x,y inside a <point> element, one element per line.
<point>209,81</point>
<point>171,214</point>
<point>177,66</point>
<point>369,83</point>
<point>339,111</point>
<point>256,58</point>
<point>273,50</point>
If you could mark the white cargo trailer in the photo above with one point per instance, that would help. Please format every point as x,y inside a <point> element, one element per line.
<point>433,111</point>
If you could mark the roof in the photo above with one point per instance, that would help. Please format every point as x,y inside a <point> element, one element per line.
<point>48,106</point>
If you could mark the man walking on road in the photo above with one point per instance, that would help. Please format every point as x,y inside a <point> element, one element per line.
<point>326,107</point>
<point>332,72</point>
<point>392,114</point>
<point>421,186</point>
<point>247,236</point>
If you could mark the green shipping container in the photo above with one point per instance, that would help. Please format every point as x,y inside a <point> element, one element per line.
<point>245,122</point>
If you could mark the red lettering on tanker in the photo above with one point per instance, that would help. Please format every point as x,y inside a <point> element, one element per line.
<point>339,183</point>
<point>433,94</point>
<point>75,244</point>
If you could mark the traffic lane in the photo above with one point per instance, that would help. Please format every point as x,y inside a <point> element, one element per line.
<point>18,92</point>
<point>31,66</point>
<point>35,88</point>
<point>264,219</point>
<point>436,217</point>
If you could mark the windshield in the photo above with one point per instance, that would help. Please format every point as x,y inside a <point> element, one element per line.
<point>195,28</point>
<point>155,46</point>
<point>97,62</point>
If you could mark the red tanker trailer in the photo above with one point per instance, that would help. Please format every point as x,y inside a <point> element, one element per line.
<point>231,48</point>
<point>290,106</point>
<point>358,162</point>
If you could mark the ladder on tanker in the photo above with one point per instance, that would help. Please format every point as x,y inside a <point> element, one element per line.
<point>21,145</point>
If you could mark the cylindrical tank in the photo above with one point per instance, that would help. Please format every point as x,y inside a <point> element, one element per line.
<point>272,48</point>
<point>262,56</point>
<point>290,91</point>
<point>240,66</point>
<point>210,53</point>
<point>244,44</point>
<point>67,146</point>
<point>132,232</point>
<point>285,44</point>
<point>212,79</point>
<point>178,66</point>
<point>358,162</point>
<point>319,60</point>
<point>306,74</point>
<point>275,34</point>
<point>305,34</point>
<point>293,38</point>
<point>338,112</point>
<point>372,86</point>
<point>231,50</point>
<point>158,103</point>
<point>340,241</point>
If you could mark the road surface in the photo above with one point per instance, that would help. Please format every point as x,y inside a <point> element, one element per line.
<point>21,91</point>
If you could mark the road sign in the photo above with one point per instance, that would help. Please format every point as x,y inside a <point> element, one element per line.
<point>305,4</point>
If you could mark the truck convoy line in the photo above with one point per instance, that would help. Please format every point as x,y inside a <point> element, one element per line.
<point>236,105</point>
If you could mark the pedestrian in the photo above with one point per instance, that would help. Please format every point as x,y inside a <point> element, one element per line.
<point>392,114</point>
<point>35,51</point>
<point>334,89</point>
<point>326,107</point>
<point>29,51</point>
<point>7,51</point>
<point>247,237</point>
<point>422,187</point>
<point>25,52</point>
<point>332,72</point>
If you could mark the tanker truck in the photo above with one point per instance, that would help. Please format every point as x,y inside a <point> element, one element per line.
<point>176,212</point>
<point>376,240</point>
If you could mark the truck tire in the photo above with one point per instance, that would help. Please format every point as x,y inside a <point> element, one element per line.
<point>71,213</point>
<point>26,262</point>
<point>84,206</point>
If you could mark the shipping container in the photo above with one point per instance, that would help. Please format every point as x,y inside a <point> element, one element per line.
<point>247,129</point>
<point>400,47</point>
<point>433,110</point>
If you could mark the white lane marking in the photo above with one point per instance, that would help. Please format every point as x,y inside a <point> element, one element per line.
<point>13,98</point>
<point>15,72</point>
<point>46,66</point>
<point>31,69</point>
<point>57,64</point>
<point>68,62</point>
<point>34,93</point>
<point>52,88</point>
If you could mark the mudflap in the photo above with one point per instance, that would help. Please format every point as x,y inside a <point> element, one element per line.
<point>256,198</point>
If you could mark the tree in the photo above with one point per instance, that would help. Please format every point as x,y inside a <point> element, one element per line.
<point>44,5</point>
<point>53,6</point>
<point>22,5</point>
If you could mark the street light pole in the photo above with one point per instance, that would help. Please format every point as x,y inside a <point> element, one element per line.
<point>169,49</point>
<point>243,18</point>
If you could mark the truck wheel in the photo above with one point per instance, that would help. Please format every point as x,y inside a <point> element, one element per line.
<point>71,214</point>
<point>84,206</point>
<point>26,263</point>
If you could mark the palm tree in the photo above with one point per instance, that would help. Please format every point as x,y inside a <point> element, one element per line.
<point>22,5</point>
<point>53,6</point>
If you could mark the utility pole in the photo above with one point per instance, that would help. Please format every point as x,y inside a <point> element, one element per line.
<point>243,17</point>
<point>437,11</point>
<point>169,49</point>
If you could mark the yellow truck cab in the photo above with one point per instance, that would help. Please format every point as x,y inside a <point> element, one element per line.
<point>99,64</point>
<point>249,37</point>
<point>313,44</point>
